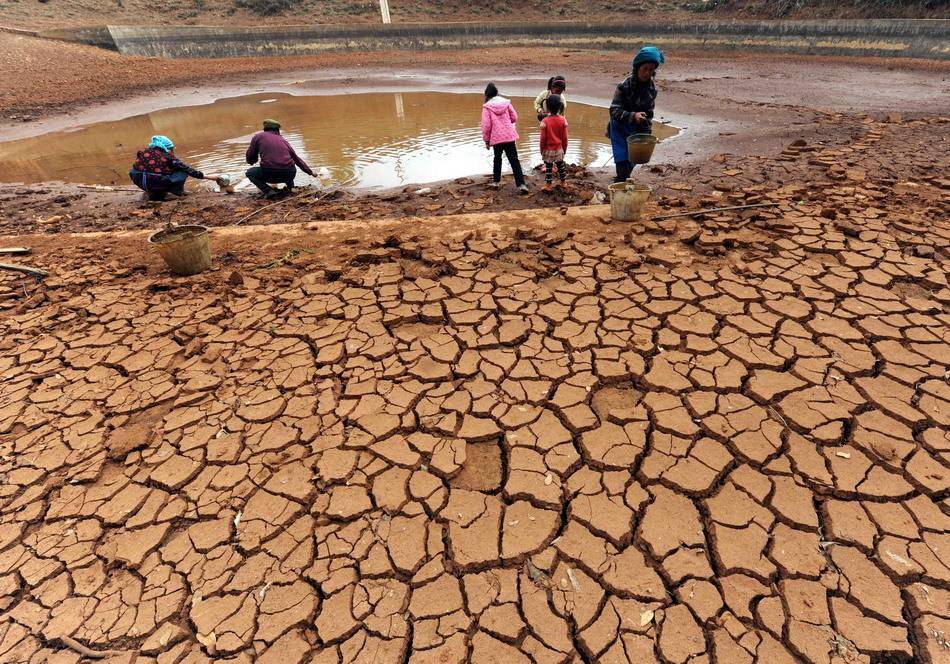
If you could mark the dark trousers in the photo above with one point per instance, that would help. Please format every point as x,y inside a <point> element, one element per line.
<point>618,133</point>
<point>510,150</point>
<point>157,186</point>
<point>624,170</point>
<point>262,175</point>
<point>549,171</point>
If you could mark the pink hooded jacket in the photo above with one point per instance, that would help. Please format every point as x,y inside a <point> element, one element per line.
<point>498,121</point>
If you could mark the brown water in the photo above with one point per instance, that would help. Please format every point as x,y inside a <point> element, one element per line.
<point>362,140</point>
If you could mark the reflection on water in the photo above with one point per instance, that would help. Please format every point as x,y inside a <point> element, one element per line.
<point>367,140</point>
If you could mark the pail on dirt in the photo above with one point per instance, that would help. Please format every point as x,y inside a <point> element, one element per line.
<point>184,248</point>
<point>640,147</point>
<point>627,200</point>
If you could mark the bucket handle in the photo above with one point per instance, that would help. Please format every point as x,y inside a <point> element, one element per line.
<point>168,220</point>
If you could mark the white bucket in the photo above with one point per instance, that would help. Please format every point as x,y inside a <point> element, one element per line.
<point>627,200</point>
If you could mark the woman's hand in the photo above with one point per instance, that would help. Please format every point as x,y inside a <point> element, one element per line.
<point>487,145</point>
<point>639,117</point>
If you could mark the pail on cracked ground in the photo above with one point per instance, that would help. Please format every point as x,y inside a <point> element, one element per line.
<point>627,200</point>
<point>184,248</point>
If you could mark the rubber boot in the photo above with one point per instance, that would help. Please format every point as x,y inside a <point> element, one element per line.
<point>624,169</point>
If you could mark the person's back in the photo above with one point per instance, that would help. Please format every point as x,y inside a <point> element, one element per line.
<point>153,160</point>
<point>498,121</point>
<point>273,150</point>
<point>278,161</point>
<point>554,140</point>
<point>499,133</point>
<point>157,171</point>
<point>554,133</point>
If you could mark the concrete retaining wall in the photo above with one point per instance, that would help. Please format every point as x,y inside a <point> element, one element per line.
<point>903,38</point>
<point>96,36</point>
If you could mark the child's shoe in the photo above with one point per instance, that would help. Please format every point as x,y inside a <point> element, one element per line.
<point>523,189</point>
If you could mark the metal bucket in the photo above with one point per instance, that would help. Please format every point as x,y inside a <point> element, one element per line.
<point>184,248</point>
<point>627,200</point>
<point>640,147</point>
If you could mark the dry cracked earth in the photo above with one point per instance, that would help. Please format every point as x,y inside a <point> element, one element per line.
<point>503,447</point>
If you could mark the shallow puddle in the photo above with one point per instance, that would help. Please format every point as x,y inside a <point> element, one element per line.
<point>361,140</point>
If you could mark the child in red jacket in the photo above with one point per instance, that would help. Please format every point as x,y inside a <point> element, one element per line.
<point>554,140</point>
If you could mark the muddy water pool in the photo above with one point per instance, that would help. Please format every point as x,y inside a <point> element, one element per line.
<point>357,140</point>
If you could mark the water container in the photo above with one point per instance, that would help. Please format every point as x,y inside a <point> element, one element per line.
<point>184,248</point>
<point>627,200</point>
<point>640,147</point>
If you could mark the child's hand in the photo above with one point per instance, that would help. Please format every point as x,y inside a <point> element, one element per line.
<point>639,117</point>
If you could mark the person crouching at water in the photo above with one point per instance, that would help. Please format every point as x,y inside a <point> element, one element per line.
<point>556,86</point>
<point>631,111</point>
<point>158,172</point>
<point>554,140</point>
<point>278,161</point>
<point>498,130</point>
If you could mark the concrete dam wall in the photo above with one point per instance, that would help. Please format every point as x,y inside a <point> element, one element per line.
<point>892,38</point>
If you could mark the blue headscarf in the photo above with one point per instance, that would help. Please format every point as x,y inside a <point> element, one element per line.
<point>162,142</point>
<point>648,54</point>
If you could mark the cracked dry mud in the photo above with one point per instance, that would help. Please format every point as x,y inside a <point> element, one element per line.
<point>549,448</point>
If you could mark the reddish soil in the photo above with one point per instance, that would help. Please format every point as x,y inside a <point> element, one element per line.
<point>499,435</point>
<point>59,13</point>
<point>29,14</point>
<point>61,78</point>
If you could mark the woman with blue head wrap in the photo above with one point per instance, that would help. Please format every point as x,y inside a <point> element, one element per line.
<point>631,111</point>
<point>162,142</point>
<point>158,172</point>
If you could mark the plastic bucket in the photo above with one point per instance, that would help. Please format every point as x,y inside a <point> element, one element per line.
<point>640,147</point>
<point>184,248</point>
<point>627,200</point>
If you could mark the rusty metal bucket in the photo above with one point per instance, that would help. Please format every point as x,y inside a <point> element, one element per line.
<point>184,248</point>
<point>640,147</point>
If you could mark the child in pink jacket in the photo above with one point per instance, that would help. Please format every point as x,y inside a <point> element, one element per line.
<point>498,130</point>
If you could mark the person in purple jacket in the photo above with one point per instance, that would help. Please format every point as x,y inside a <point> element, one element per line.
<point>278,161</point>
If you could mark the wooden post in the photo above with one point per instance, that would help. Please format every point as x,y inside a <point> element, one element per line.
<point>384,10</point>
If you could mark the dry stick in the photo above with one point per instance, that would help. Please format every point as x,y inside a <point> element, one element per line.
<point>775,412</point>
<point>36,272</point>
<point>261,209</point>
<point>14,250</point>
<point>109,190</point>
<point>73,644</point>
<point>719,209</point>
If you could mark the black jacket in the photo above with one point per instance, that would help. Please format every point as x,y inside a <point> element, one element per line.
<point>631,97</point>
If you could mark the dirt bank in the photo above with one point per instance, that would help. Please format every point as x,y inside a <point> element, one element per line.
<point>59,13</point>
<point>749,107</point>
<point>55,78</point>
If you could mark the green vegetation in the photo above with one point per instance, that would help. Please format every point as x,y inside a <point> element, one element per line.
<point>813,8</point>
<point>265,7</point>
